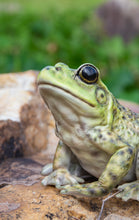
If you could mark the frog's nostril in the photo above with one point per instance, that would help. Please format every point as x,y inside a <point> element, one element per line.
<point>48,67</point>
<point>58,68</point>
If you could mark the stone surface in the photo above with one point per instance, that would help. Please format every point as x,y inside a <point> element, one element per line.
<point>116,217</point>
<point>23,171</point>
<point>23,116</point>
<point>34,201</point>
<point>37,202</point>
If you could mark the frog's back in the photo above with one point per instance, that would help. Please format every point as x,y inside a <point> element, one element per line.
<point>126,124</point>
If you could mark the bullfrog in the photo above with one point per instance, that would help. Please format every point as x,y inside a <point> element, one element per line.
<point>98,137</point>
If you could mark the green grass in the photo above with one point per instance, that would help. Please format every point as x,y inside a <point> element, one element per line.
<point>40,33</point>
<point>45,7</point>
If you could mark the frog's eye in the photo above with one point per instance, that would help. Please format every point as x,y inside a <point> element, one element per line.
<point>88,73</point>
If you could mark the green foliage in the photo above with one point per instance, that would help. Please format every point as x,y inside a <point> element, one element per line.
<point>120,64</point>
<point>32,41</point>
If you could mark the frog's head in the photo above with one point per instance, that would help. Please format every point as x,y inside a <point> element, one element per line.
<point>81,90</point>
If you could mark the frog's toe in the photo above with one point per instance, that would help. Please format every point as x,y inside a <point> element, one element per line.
<point>49,181</point>
<point>61,177</point>
<point>47,169</point>
<point>129,191</point>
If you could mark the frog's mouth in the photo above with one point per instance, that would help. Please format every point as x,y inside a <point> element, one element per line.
<point>46,86</point>
<point>66,106</point>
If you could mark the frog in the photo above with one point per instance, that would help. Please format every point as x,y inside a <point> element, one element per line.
<point>98,137</point>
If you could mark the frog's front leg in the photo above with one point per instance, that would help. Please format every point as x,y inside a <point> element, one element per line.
<point>115,170</point>
<point>64,169</point>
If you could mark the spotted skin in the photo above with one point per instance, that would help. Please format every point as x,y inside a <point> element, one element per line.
<point>98,136</point>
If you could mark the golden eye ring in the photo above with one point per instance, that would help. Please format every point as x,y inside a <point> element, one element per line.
<point>88,73</point>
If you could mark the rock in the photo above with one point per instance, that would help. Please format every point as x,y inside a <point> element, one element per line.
<point>23,117</point>
<point>39,202</point>
<point>23,171</point>
<point>31,200</point>
<point>116,217</point>
<point>131,105</point>
<point>7,207</point>
<point>120,17</point>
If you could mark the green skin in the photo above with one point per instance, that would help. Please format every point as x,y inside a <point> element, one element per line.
<point>98,136</point>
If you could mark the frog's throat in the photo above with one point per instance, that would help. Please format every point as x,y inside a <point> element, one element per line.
<point>42,84</point>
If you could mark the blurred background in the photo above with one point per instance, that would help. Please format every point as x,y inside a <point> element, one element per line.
<point>36,33</point>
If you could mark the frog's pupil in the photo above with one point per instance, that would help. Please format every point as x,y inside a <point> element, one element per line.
<point>89,73</point>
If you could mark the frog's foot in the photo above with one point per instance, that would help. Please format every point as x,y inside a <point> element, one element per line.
<point>61,177</point>
<point>129,191</point>
<point>91,190</point>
